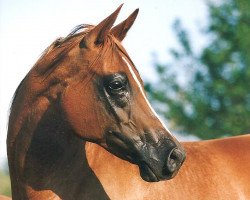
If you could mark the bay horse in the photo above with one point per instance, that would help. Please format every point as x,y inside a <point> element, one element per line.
<point>81,127</point>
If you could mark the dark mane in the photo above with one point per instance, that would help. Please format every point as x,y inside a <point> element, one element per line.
<point>81,29</point>
<point>53,54</point>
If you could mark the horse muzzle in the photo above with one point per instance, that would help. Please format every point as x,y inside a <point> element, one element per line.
<point>156,160</point>
<point>157,170</point>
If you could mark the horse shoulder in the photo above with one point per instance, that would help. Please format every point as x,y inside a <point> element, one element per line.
<point>215,168</point>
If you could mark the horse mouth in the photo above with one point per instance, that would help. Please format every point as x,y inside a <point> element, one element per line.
<point>147,173</point>
<point>154,166</point>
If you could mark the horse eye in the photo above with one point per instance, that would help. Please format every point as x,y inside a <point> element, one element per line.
<point>116,85</point>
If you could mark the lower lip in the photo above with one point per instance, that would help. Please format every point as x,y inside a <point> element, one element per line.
<point>147,174</point>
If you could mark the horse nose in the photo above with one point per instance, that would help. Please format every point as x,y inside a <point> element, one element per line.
<point>174,160</point>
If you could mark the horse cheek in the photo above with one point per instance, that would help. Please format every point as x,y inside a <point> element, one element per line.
<point>82,111</point>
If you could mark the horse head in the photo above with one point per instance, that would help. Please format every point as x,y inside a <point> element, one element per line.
<point>106,103</point>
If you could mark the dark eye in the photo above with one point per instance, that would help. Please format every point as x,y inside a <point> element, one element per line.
<point>116,88</point>
<point>116,85</point>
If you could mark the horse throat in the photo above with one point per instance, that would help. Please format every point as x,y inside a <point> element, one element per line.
<point>55,163</point>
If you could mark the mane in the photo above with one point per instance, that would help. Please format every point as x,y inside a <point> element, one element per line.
<point>53,54</point>
<point>78,30</point>
<point>56,51</point>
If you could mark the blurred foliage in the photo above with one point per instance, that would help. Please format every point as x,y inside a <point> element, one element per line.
<point>5,188</point>
<point>214,100</point>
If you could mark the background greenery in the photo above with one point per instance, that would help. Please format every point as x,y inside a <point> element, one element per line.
<point>214,99</point>
<point>5,181</point>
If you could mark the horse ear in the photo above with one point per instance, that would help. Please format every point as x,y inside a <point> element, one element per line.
<point>120,30</point>
<point>98,33</point>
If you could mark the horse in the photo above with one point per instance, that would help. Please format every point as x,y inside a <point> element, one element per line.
<point>84,88</point>
<point>81,127</point>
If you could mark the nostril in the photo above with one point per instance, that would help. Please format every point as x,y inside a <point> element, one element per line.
<point>174,160</point>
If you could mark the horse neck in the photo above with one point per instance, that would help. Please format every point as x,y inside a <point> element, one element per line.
<point>48,160</point>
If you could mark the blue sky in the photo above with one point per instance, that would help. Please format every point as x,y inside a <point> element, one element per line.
<point>27,27</point>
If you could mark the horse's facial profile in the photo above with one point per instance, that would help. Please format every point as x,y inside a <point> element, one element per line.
<point>106,103</point>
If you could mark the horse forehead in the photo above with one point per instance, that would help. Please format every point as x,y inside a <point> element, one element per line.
<point>114,65</point>
<point>110,63</point>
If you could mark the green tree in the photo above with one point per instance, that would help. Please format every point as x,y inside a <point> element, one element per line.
<point>214,100</point>
<point>5,187</point>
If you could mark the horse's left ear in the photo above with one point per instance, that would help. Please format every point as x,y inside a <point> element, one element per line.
<point>120,30</point>
<point>97,35</point>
